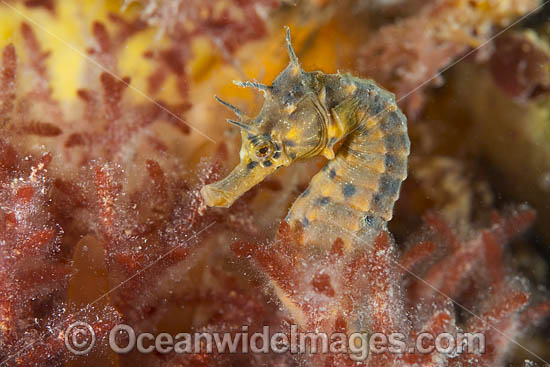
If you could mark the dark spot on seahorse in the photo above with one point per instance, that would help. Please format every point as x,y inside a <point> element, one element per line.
<point>376,106</point>
<point>372,221</point>
<point>363,94</point>
<point>383,204</point>
<point>332,174</point>
<point>293,94</point>
<point>393,163</point>
<point>396,142</point>
<point>348,190</point>
<point>323,201</point>
<point>293,155</point>
<point>391,121</point>
<point>251,165</point>
<point>305,193</point>
<point>389,185</point>
<point>332,141</point>
<point>290,143</point>
<point>368,220</point>
<point>276,155</point>
<point>305,221</point>
<point>267,163</point>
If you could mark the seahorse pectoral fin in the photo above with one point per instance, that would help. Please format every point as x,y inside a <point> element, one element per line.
<point>336,131</point>
<point>244,176</point>
<point>344,116</point>
<point>328,152</point>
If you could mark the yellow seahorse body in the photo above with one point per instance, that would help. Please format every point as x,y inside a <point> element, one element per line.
<point>306,114</point>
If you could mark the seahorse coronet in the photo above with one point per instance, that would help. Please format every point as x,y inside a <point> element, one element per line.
<point>307,114</point>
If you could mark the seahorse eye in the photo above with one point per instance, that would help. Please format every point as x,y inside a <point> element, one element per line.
<point>263,150</point>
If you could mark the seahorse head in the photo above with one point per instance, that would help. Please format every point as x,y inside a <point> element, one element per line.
<point>290,126</point>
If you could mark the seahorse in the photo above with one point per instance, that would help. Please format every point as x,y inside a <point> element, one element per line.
<point>306,114</point>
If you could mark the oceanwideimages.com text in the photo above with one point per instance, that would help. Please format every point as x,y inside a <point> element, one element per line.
<point>80,339</point>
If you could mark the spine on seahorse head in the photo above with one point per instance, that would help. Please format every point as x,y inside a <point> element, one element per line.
<point>352,197</point>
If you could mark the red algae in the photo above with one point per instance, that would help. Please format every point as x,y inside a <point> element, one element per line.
<point>234,25</point>
<point>414,283</point>
<point>104,224</point>
<point>520,65</point>
<point>409,54</point>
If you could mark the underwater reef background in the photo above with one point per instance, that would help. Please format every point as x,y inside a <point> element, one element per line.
<point>109,129</point>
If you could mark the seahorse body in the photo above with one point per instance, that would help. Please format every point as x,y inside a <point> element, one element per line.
<point>307,114</point>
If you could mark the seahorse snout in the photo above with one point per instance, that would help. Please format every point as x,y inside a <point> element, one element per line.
<point>243,177</point>
<point>214,197</point>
